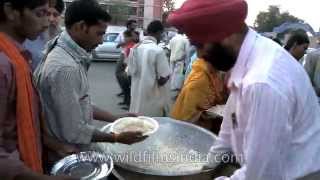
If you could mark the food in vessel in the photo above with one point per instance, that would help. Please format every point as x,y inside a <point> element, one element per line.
<point>145,125</point>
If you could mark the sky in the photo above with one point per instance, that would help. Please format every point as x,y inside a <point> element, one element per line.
<point>306,10</point>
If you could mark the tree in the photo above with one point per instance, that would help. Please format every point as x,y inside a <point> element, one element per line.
<point>168,5</point>
<point>266,21</point>
<point>119,11</point>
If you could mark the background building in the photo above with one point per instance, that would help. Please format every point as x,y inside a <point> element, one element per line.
<point>144,11</point>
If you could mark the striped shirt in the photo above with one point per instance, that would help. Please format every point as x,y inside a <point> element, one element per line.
<point>64,88</point>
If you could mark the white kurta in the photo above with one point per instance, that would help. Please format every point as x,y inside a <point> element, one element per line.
<point>147,62</point>
<point>272,118</point>
<point>179,47</point>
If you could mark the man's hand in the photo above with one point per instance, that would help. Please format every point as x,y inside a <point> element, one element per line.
<point>163,80</point>
<point>129,137</point>
<point>67,149</point>
<point>62,149</point>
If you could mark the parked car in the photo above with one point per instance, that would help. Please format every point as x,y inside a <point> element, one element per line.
<point>108,51</point>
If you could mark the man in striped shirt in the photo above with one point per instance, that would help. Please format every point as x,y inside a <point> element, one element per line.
<point>63,82</point>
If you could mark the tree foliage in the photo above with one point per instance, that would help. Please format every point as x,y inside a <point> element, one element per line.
<point>168,5</point>
<point>266,21</point>
<point>119,11</point>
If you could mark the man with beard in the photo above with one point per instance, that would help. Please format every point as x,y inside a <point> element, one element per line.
<point>38,46</point>
<point>202,89</point>
<point>63,83</point>
<point>272,117</point>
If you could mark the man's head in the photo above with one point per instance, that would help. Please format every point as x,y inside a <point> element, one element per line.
<point>297,45</point>
<point>24,19</point>
<point>218,54</point>
<point>86,22</point>
<point>219,25</point>
<point>155,29</point>
<point>132,25</point>
<point>128,36</point>
<point>56,8</point>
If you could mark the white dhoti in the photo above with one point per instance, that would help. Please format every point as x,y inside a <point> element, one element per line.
<point>177,77</point>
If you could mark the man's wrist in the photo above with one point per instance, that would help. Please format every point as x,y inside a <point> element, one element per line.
<point>114,137</point>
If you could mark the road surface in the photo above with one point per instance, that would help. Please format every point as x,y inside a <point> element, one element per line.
<point>104,87</point>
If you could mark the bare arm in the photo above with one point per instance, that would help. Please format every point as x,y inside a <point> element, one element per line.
<point>103,115</point>
<point>99,136</point>
<point>124,138</point>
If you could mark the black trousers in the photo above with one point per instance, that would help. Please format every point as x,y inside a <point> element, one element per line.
<point>123,79</point>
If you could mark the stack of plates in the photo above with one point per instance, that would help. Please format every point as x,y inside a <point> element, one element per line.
<point>85,165</point>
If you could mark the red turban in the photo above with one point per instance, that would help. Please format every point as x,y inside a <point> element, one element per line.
<point>209,20</point>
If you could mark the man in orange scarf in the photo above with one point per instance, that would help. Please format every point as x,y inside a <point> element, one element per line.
<point>20,144</point>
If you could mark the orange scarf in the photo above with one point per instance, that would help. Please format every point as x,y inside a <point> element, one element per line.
<point>27,129</point>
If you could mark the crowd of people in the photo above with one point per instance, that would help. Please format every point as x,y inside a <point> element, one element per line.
<point>271,120</point>
<point>165,81</point>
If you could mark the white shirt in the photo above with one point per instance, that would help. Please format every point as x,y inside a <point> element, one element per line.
<point>147,62</point>
<point>276,130</point>
<point>179,47</point>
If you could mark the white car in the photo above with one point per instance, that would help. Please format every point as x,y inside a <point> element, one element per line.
<point>108,51</point>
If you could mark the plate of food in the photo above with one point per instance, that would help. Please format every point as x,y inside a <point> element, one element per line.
<point>143,124</point>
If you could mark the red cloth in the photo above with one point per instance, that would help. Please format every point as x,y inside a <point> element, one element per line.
<point>128,47</point>
<point>28,132</point>
<point>209,20</point>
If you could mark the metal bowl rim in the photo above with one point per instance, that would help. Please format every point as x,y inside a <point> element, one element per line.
<point>73,157</point>
<point>159,173</point>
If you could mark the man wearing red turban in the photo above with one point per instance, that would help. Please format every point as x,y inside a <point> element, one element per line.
<point>272,117</point>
